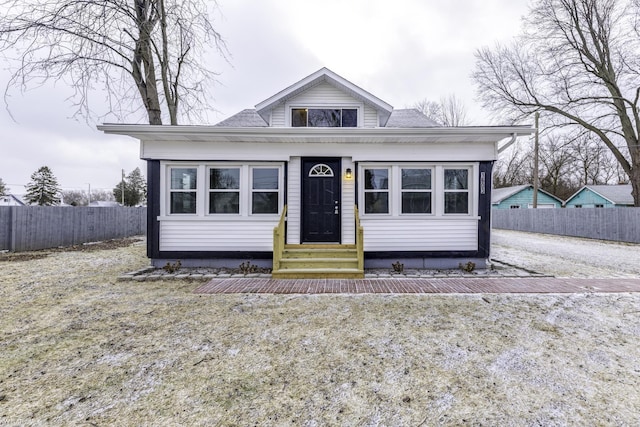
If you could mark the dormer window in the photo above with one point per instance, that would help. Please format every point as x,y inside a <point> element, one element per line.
<point>324,117</point>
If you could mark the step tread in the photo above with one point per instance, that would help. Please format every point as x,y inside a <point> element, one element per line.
<point>314,259</point>
<point>319,246</point>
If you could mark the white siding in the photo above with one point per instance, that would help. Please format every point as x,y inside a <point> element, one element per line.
<point>282,151</point>
<point>406,234</point>
<point>322,95</point>
<point>370,117</point>
<point>348,203</point>
<point>293,200</point>
<point>277,117</point>
<point>180,235</point>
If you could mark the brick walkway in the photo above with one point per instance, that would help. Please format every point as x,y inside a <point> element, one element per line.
<point>422,285</point>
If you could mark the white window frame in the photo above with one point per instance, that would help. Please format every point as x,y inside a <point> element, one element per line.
<point>437,189</point>
<point>364,191</point>
<point>467,190</point>
<point>341,106</point>
<point>430,191</point>
<point>252,190</point>
<point>169,190</point>
<point>208,189</point>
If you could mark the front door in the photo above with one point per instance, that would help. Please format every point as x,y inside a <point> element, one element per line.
<point>321,200</point>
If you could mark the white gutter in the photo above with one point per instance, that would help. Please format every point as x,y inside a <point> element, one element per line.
<point>508,143</point>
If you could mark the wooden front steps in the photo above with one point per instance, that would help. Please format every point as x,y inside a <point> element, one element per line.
<point>318,262</point>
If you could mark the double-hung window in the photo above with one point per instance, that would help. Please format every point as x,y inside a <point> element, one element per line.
<point>416,189</point>
<point>376,191</point>
<point>265,190</point>
<point>183,190</point>
<point>224,190</point>
<point>456,191</point>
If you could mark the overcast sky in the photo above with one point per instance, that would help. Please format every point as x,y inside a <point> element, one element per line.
<point>401,51</point>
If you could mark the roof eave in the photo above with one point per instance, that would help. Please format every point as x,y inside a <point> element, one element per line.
<point>485,133</point>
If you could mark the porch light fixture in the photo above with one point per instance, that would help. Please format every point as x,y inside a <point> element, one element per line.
<point>348,174</point>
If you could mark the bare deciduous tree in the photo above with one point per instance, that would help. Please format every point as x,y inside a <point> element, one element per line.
<point>577,59</point>
<point>514,167</point>
<point>556,161</point>
<point>143,53</point>
<point>450,111</point>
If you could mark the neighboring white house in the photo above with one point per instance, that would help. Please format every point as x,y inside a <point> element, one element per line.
<point>10,200</point>
<point>320,147</point>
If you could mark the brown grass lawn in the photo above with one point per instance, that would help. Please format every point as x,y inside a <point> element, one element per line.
<point>78,347</point>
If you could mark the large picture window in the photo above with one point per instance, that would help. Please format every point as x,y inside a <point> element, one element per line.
<point>456,191</point>
<point>224,190</point>
<point>229,189</point>
<point>324,117</point>
<point>376,191</point>
<point>416,191</point>
<point>182,191</point>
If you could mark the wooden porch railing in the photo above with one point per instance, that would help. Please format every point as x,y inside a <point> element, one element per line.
<point>278,239</point>
<point>359,240</point>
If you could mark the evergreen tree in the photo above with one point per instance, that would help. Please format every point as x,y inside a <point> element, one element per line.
<point>135,189</point>
<point>43,189</point>
<point>3,188</point>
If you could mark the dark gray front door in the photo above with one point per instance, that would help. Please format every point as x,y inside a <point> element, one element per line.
<point>321,200</point>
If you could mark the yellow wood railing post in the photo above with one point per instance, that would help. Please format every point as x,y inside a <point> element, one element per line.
<point>278,240</point>
<point>359,240</point>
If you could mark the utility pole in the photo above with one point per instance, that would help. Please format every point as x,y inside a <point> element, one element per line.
<point>535,164</point>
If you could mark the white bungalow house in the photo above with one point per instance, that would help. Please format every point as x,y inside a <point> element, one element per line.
<point>315,174</point>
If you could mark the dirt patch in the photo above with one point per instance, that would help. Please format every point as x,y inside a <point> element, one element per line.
<point>85,247</point>
<point>23,256</point>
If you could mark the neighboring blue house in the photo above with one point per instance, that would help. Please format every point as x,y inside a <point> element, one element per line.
<point>601,196</point>
<point>521,197</point>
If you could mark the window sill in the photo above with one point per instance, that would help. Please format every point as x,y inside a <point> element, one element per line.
<point>408,217</point>
<point>251,218</point>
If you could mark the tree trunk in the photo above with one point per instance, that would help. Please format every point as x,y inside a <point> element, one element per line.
<point>634,180</point>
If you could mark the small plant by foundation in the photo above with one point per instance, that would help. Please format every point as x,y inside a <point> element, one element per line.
<point>172,268</point>
<point>467,267</point>
<point>247,268</point>
<point>398,267</point>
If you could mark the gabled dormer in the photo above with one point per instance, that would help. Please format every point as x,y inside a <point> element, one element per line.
<point>324,99</point>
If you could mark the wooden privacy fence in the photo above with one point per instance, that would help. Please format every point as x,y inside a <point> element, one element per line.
<point>25,228</point>
<point>617,224</point>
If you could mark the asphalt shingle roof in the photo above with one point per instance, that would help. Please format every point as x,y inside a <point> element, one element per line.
<point>248,118</point>
<point>618,194</point>
<point>410,118</point>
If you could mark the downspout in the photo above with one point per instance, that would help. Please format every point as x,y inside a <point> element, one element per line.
<point>508,143</point>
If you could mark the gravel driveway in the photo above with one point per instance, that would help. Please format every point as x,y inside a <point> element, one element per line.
<point>566,256</point>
